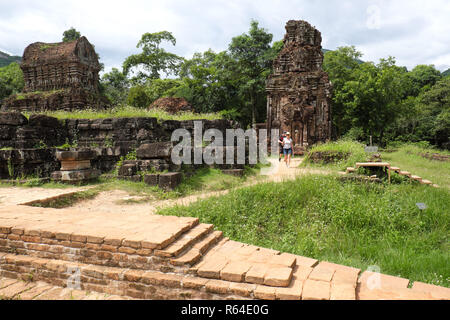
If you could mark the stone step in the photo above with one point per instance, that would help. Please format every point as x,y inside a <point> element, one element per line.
<point>194,254</point>
<point>350,170</point>
<point>404,173</point>
<point>427,182</point>
<point>185,241</point>
<point>396,169</point>
<point>416,178</point>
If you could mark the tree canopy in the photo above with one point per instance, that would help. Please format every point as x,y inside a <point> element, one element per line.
<point>71,35</point>
<point>153,59</point>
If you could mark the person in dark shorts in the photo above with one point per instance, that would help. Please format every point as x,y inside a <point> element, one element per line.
<point>288,145</point>
<point>280,143</point>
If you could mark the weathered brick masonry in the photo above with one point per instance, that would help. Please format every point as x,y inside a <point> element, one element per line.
<point>29,144</point>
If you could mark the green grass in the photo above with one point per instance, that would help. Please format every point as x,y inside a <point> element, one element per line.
<point>350,223</point>
<point>129,112</point>
<point>353,148</point>
<point>407,157</point>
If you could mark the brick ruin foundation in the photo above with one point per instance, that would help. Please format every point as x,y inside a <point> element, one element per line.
<point>29,146</point>
<point>299,91</point>
<point>58,76</point>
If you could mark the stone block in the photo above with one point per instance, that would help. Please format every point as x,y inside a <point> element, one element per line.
<point>128,170</point>
<point>75,165</point>
<point>76,175</point>
<point>12,119</point>
<point>76,155</point>
<point>151,179</point>
<point>40,120</point>
<point>154,150</point>
<point>168,181</point>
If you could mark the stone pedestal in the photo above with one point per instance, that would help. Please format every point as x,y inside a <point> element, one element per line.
<point>75,166</point>
<point>166,181</point>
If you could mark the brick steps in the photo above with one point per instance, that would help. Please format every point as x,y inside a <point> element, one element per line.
<point>185,241</point>
<point>350,170</point>
<point>195,253</point>
<point>159,257</point>
<point>400,172</point>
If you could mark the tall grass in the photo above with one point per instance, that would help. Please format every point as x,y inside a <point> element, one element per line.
<point>343,222</point>
<point>128,112</point>
<point>354,149</point>
<point>407,157</point>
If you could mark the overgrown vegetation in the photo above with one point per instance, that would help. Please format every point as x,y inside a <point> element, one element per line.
<point>128,112</point>
<point>349,223</point>
<point>354,149</point>
<point>407,157</point>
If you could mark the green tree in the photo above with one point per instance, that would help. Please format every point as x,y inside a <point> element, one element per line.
<point>153,59</point>
<point>71,35</point>
<point>422,78</point>
<point>252,55</point>
<point>11,80</point>
<point>115,85</point>
<point>340,66</point>
<point>434,106</point>
<point>372,99</point>
<point>206,81</point>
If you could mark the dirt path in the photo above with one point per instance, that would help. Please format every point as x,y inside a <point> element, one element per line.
<point>119,201</point>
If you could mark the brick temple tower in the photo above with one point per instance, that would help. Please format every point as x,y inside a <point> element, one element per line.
<point>299,91</point>
<point>58,76</point>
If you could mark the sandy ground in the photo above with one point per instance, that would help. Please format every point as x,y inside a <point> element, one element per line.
<point>118,201</point>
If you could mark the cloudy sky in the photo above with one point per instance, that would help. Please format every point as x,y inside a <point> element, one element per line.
<point>413,31</point>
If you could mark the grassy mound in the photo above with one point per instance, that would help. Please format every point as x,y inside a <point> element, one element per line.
<point>349,223</point>
<point>351,152</point>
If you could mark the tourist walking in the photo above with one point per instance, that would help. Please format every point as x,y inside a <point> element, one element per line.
<point>280,143</point>
<point>287,148</point>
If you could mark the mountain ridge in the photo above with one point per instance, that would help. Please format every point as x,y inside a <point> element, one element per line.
<point>6,59</point>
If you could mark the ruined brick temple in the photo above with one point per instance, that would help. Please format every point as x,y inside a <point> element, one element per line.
<point>58,76</point>
<point>299,91</point>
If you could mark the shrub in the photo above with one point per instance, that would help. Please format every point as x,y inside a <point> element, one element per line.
<point>138,97</point>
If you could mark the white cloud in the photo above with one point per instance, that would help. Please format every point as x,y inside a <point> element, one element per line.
<point>415,32</point>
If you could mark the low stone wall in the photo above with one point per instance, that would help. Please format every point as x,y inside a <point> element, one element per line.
<point>16,131</point>
<point>327,156</point>
<point>29,145</point>
<point>20,163</point>
<point>436,156</point>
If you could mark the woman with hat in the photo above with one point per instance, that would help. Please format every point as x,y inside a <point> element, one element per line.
<point>287,148</point>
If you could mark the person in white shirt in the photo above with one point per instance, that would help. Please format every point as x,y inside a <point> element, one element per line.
<point>287,148</point>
